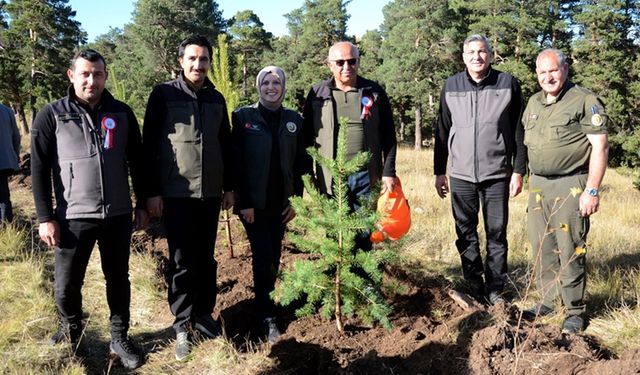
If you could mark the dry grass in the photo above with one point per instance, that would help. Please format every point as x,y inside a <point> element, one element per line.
<point>27,314</point>
<point>613,252</point>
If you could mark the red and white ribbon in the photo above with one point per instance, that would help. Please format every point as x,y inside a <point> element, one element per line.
<point>109,125</point>
<point>367,102</point>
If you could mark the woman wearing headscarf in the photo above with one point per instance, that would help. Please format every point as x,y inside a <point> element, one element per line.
<point>270,160</point>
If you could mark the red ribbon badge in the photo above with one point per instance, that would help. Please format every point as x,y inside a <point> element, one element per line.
<point>109,125</point>
<point>367,102</point>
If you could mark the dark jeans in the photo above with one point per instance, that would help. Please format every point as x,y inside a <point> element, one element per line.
<point>77,239</point>
<point>265,235</point>
<point>6,212</point>
<point>191,225</point>
<point>466,199</point>
<point>359,188</point>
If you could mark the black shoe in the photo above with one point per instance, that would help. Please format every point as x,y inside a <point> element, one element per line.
<point>573,324</point>
<point>536,311</point>
<point>271,330</point>
<point>476,289</point>
<point>66,333</point>
<point>208,327</point>
<point>183,346</point>
<point>495,298</point>
<point>128,353</point>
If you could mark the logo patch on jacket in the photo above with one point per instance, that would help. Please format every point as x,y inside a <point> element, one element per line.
<point>292,127</point>
<point>252,127</point>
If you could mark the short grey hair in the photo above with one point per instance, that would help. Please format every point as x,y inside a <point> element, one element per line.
<point>562,60</point>
<point>478,38</point>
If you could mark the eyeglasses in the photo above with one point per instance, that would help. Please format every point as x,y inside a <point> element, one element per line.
<point>351,62</point>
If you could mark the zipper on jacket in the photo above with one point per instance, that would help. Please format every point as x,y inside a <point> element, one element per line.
<point>71,177</point>
<point>475,134</point>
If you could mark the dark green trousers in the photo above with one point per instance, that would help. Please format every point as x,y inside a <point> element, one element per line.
<point>558,238</point>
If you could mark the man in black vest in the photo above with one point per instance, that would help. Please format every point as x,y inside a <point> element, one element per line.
<point>88,142</point>
<point>187,143</point>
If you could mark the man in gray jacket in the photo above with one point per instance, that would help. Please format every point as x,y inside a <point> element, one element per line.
<point>83,148</point>
<point>480,134</point>
<point>9,158</point>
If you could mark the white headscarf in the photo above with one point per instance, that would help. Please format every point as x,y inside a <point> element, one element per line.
<point>261,75</point>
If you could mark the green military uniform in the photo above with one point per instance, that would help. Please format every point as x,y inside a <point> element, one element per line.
<point>558,153</point>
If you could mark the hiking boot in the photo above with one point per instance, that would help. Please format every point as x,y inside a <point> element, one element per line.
<point>536,311</point>
<point>207,326</point>
<point>66,333</point>
<point>495,298</point>
<point>573,324</point>
<point>128,353</point>
<point>183,346</point>
<point>271,330</point>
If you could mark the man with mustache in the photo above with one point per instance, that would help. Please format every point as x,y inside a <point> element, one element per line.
<point>186,140</point>
<point>566,137</point>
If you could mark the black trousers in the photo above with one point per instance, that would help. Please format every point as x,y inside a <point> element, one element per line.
<point>466,199</point>
<point>6,212</point>
<point>77,239</point>
<point>265,236</point>
<point>191,225</point>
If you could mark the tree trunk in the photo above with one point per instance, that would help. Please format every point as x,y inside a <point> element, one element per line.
<point>244,74</point>
<point>402,126</point>
<point>418,132</point>
<point>338,313</point>
<point>22,117</point>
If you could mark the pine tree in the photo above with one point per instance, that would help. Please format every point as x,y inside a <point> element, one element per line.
<point>249,41</point>
<point>220,74</point>
<point>331,281</point>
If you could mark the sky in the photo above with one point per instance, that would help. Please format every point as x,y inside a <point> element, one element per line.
<point>97,16</point>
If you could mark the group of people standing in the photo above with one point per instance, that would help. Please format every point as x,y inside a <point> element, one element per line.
<point>186,165</point>
<point>189,162</point>
<point>488,139</point>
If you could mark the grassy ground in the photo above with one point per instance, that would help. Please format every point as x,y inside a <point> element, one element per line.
<point>27,312</point>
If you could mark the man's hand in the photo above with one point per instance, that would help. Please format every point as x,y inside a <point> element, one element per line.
<point>288,214</point>
<point>442,185</point>
<point>515,185</point>
<point>588,204</point>
<point>228,200</point>
<point>49,232</point>
<point>140,219</point>
<point>388,183</point>
<point>248,214</point>
<point>155,206</point>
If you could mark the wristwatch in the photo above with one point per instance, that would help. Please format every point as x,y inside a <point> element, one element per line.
<point>591,191</point>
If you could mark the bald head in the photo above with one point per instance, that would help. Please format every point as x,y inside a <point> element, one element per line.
<point>343,46</point>
<point>343,62</point>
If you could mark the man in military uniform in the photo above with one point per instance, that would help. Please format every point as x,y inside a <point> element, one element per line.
<point>566,135</point>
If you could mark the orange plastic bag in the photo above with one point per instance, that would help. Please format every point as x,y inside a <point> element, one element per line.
<point>395,215</point>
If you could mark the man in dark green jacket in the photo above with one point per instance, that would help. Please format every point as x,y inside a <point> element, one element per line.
<point>370,125</point>
<point>186,138</point>
<point>370,122</point>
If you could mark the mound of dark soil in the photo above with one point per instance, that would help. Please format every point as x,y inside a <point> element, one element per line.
<point>431,334</point>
